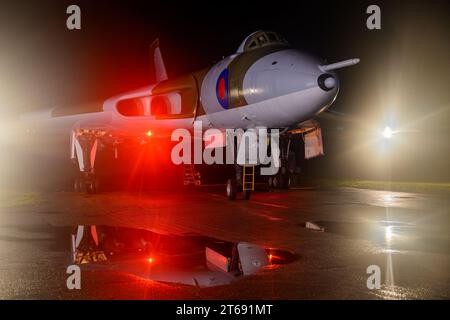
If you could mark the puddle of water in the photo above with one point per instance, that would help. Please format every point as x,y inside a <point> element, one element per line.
<point>191,259</point>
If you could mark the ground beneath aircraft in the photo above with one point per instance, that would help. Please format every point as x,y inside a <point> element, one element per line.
<point>405,234</point>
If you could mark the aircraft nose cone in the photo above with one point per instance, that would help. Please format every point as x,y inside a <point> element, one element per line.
<point>330,82</point>
<point>326,82</point>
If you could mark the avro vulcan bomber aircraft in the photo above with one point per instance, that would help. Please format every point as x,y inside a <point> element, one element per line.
<point>265,84</point>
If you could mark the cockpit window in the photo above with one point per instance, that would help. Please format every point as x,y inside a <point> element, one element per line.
<point>252,45</point>
<point>272,37</point>
<point>262,39</point>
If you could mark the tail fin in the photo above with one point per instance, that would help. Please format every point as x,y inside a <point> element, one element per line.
<point>158,62</point>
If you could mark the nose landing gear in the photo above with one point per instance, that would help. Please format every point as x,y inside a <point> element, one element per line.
<point>233,189</point>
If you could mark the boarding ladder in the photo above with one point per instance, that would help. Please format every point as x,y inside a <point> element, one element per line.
<point>248,178</point>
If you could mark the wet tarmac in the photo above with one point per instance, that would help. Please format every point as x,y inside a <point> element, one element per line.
<point>406,235</point>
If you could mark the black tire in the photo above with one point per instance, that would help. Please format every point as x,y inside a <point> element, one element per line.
<point>246,194</point>
<point>96,184</point>
<point>285,181</point>
<point>231,189</point>
<point>78,185</point>
<point>90,188</point>
<point>275,182</point>
<point>291,181</point>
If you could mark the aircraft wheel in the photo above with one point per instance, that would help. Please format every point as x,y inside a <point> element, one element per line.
<point>231,189</point>
<point>96,185</point>
<point>285,181</point>
<point>275,182</point>
<point>90,188</point>
<point>290,181</point>
<point>78,185</point>
<point>246,194</point>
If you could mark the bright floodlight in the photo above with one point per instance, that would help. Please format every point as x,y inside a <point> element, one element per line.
<point>388,233</point>
<point>387,133</point>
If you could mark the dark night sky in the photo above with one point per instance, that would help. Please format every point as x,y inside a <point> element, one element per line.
<point>404,67</point>
<point>110,54</point>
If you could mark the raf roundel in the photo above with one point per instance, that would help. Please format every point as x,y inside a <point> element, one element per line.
<point>222,89</point>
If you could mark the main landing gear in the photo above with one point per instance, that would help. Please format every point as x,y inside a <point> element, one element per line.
<point>87,183</point>
<point>84,151</point>
<point>285,176</point>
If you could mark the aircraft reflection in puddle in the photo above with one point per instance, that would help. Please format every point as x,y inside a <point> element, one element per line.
<point>193,260</point>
